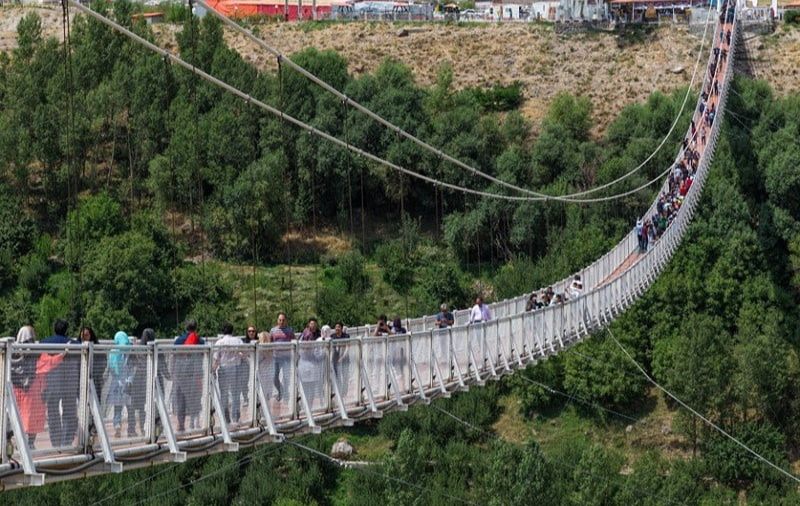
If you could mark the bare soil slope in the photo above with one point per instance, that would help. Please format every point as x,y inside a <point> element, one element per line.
<point>594,65</point>
<point>605,67</point>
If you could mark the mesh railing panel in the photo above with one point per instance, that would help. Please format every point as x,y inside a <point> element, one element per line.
<point>374,359</point>
<point>234,374</point>
<point>312,370</point>
<point>398,358</point>
<point>517,329</point>
<point>460,349</point>
<point>492,342</point>
<point>421,351</point>
<point>430,322</point>
<point>477,346</point>
<point>186,389</point>
<point>120,376</point>
<point>461,317</point>
<point>276,372</point>
<point>441,349</point>
<point>344,359</point>
<point>46,386</point>
<point>3,417</point>
<point>415,325</point>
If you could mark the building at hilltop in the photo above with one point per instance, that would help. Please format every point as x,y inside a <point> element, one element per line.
<point>290,10</point>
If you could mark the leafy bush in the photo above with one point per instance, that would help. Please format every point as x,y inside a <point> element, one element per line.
<point>438,282</point>
<point>352,269</point>
<point>204,293</point>
<point>175,12</point>
<point>791,17</point>
<point>335,303</point>
<point>97,217</point>
<point>35,267</point>
<point>17,229</point>
<point>726,461</point>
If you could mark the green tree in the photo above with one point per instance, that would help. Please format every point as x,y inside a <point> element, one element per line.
<point>517,476</point>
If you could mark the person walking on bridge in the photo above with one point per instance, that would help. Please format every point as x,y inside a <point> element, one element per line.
<point>227,365</point>
<point>480,312</point>
<point>187,383</point>
<point>281,333</point>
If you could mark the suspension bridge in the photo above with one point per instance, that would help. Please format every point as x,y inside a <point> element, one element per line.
<point>288,389</point>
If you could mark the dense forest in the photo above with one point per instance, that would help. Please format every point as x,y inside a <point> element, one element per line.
<point>119,172</point>
<point>131,173</point>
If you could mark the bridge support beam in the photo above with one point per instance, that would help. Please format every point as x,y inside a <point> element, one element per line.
<point>216,399</point>
<point>266,414</point>
<point>166,426</point>
<point>367,388</point>
<point>110,464</point>
<point>398,395</point>
<point>301,392</point>
<point>438,371</point>
<point>346,420</point>
<point>420,388</point>
<point>30,476</point>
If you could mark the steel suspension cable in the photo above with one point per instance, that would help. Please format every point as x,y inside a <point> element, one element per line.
<point>294,121</point>
<point>439,153</point>
<point>73,178</point>
<point>716,427</point>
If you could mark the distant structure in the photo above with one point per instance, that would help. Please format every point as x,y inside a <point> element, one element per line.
<point>582,10</point>
<point>289,10</point>
<point>637,11</point>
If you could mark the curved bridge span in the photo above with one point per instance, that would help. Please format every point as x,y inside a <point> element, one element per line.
<point>178,405</point>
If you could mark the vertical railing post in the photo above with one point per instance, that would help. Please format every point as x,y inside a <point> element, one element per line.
<point>208,358</point>
<point>5,373</point>
<point>329,375</point>
<point>150,405</point>
<point>359,368</point>
<point>148,395</point>
<point>83,396</point>
<point>292,376</point>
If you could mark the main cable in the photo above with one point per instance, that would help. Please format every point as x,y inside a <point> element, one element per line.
<point>439,153</point>
<point>698,415</point>
<point>290,119</point>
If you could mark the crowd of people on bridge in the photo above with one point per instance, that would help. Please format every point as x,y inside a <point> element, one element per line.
<point>47,385</point>
<point>548,297</point>
<point>650,228</point>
